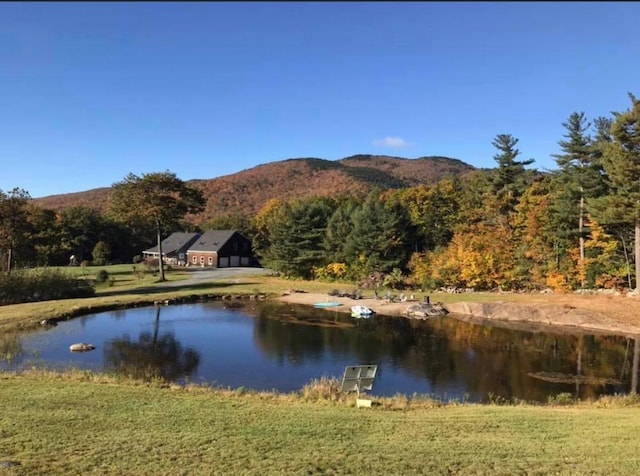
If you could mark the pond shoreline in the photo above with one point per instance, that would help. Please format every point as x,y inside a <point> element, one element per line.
<point>617,314</point>
<point>79,311</point>
<point>613,315</point>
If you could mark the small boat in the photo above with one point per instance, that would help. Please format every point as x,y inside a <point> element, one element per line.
<point>360,311</point>
<point>81,347</point>
<point>327,304</point>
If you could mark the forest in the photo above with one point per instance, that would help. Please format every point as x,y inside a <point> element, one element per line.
<point>510,227</point>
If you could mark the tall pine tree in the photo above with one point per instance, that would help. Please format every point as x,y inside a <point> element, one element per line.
<point>621,163</point>
<point>579,177</point>
<point>510,178</point>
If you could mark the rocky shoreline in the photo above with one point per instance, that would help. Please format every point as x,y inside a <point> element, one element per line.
<point>615,315</point>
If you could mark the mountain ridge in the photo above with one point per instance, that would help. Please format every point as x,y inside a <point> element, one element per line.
<point>245,192</point>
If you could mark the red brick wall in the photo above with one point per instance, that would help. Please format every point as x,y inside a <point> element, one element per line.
<point>203,259</point>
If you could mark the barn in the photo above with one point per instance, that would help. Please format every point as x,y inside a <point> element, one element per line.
<point>220,249</point>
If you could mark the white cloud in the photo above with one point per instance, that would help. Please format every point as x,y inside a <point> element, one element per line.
<point>392,142</point>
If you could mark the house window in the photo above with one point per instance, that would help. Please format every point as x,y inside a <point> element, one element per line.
<point>181,256</point>
<point>195,260</point>
<point>201,259</point>
<point>210,260</point>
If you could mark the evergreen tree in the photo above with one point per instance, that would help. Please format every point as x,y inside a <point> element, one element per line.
<point>510,178</point>
<point>296,236</point>
<point>381,236</point>
<point>339,226</point>
<point>579,177</point>
<point>621,162</point>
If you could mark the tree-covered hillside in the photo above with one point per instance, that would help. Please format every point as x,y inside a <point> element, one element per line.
<point>428,222</point>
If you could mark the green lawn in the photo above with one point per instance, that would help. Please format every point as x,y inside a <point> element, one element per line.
<point>91,425</point>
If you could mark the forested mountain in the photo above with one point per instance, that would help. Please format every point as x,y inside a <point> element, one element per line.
<point>426,222</point>
<point>247,191</point>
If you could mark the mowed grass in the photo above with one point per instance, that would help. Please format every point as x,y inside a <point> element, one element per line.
<point>54,424</point>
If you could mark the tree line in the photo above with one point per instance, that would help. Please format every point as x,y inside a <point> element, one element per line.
<point>508,227</point>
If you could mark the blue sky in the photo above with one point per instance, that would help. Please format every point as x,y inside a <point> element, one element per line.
<point>90,92</point>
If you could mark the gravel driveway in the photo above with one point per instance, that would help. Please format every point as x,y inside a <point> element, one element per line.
<point>199,275</point>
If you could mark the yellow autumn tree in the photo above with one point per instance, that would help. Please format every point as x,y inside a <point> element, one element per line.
<point>599,266</point>
<point>535,249</point>
<point>481,258</point>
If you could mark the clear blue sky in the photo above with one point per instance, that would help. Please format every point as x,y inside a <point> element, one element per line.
<point>90,92</point>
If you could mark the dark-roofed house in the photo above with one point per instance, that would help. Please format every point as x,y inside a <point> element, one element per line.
<point>174,248</point>
<point>220,249</point>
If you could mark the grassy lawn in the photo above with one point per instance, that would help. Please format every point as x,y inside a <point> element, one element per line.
<point>88,424</point>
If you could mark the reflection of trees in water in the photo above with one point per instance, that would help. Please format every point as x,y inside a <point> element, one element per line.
<point>511,356</point>
<point>282,332</point>
<point>487,359</point>
<point>152,356</point>
<point>10,347</point>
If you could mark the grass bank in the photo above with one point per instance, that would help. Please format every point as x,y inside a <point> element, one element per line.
<point>128,287</point>
<point>90,424</point>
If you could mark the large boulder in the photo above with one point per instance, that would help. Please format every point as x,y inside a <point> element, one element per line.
<point>424,310</point>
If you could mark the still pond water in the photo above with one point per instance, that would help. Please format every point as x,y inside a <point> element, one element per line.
<point>277,346</point>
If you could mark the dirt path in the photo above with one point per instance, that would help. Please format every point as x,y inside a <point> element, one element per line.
<point>611,314</point>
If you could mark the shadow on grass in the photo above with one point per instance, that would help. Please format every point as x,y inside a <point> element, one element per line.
<point>163,288</point>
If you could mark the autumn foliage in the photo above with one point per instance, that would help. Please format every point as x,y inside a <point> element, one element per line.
<point>429,222</point>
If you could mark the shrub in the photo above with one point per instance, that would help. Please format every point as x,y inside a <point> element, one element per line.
<point>558,282</point>
<point>27,285</point>
<point>151,263</point>
<point>331,272</point>
<point>563,398</point>
<point>102,276</point>
<point>101,253</point>
<point>395,279</point>
<point>325,388</point>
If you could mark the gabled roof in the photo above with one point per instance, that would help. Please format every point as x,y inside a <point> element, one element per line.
<point>174,242</point>
<point>212,240</point>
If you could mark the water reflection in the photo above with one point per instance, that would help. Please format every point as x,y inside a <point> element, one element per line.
<point>452,355</point>
<point>271,345</point>
<point>152,356</point>
<point>10,347</point>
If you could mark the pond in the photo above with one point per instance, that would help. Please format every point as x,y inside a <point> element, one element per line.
<point>276,346</point>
